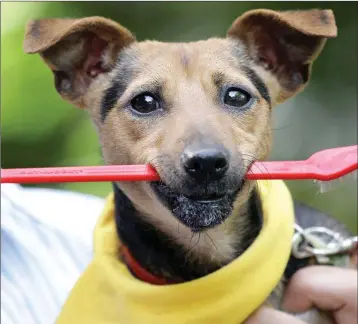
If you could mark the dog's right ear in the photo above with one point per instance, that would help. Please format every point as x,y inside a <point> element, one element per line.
<point>76,50</point>
<point>285,43</point>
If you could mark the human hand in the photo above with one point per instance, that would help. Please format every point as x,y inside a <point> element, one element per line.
<point>329,289</point>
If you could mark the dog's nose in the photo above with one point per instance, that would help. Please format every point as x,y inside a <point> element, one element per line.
<point>206,163</point>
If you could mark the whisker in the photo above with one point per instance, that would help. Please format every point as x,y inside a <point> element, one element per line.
<point>261,166</point>
<point>193,234</point>
<point>158,157</point>
<point>196,241</point>
<point>212,241</point>
<point>283,127</point>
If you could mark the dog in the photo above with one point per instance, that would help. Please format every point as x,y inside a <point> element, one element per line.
<point>200,114</point>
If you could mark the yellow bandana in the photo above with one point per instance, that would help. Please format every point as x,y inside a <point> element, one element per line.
<point>107,293</point>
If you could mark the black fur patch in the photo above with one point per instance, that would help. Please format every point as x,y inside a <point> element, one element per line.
<point>255,221</point>
<point>125,70</point>
<point>257,82</point>
<point>110,97</point>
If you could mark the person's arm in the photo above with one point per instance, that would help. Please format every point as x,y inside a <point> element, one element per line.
<point>46,243</point>
<point>330,289</point>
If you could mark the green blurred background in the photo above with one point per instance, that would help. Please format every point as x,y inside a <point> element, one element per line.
<point>39,129</point>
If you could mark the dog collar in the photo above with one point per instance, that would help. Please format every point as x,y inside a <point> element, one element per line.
<point>140,272</point>
<point>107,292</point>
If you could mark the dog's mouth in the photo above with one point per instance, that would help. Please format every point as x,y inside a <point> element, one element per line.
<point>198,211</point>
<point>207,199</point>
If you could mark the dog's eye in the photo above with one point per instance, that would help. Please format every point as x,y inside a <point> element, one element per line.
<point>145,103</point>
<point>236,97</point>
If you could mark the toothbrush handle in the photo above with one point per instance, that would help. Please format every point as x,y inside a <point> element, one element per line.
<point>265,171</point>
<point>80,174</point>
<point>325,165</point>
<point>285,170</point>
<point>300,170</point>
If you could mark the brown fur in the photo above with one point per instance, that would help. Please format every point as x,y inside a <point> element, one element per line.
<point>187,74</point>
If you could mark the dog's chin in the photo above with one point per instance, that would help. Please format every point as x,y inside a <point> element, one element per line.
<point>198,213</point>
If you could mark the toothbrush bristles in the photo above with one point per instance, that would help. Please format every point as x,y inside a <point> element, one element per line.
<point>325,186</point>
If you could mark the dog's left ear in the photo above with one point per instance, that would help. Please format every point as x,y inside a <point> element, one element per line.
<point>285,43</point>
<point>77,51</point>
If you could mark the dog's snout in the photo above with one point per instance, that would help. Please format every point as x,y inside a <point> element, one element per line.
<point>206,163</point>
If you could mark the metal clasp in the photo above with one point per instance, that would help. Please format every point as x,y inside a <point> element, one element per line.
<point>323,244</point>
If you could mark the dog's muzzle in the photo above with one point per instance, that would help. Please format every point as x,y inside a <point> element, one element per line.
<point>203,193</point>
<point>197,212</point>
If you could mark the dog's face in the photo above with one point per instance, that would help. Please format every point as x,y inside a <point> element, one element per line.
<point>198,112</point>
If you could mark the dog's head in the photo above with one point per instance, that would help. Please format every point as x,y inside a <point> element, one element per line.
<point>198,112</point>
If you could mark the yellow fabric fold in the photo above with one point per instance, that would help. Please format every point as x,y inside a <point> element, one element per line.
<point>107,292</point>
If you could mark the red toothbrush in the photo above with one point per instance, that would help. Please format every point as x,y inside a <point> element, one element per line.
<point>323,166</point>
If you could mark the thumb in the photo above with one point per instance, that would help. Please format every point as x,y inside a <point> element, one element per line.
<point>326,288</point>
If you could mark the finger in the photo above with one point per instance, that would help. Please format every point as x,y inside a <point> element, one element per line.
<point>267,315</point>
<point>327,288</point>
